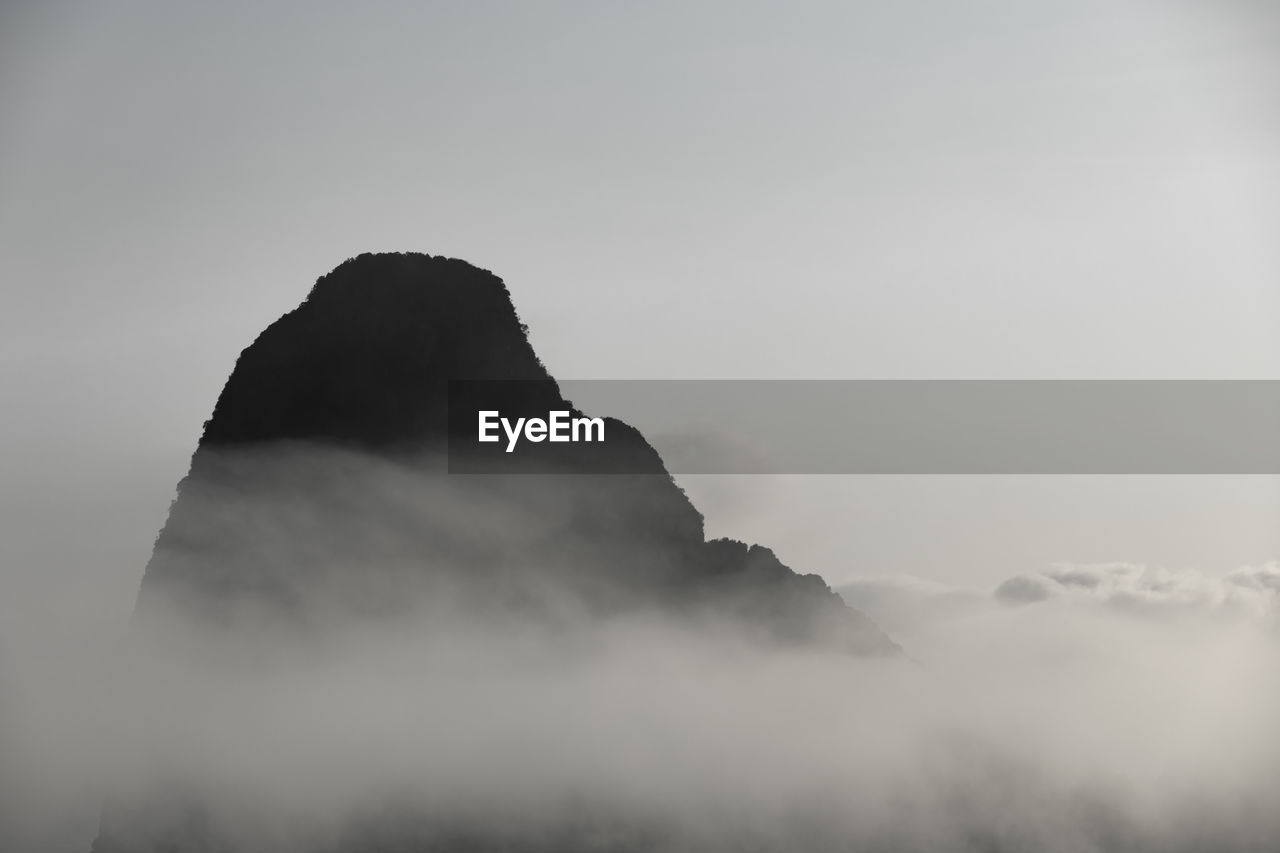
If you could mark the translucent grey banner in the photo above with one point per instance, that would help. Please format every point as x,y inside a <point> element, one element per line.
<point>947,426</point>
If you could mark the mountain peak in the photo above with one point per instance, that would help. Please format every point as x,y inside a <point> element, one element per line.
<point>364,359</point>
<point>316,500</point>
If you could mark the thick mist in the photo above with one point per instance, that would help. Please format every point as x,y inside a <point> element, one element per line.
<point>1065,729</point>
<point>1085,708</point>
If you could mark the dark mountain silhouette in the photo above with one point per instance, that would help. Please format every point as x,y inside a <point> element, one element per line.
<point>320,485</point>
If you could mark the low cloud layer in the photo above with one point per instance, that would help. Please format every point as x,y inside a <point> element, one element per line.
<point>1249,592</point>
<point>1085,708</point>
<point>1065,729</point>
<point>1246,595</point>
<point>1062,725</point>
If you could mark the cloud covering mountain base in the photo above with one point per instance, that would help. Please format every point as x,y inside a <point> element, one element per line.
<point>1063,725</point>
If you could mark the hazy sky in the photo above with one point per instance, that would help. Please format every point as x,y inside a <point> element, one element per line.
<point>1010,189</point>
<point>989,189</point>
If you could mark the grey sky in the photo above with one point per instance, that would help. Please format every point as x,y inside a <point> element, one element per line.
<point>1005,189</point>
<point>1011,189</point>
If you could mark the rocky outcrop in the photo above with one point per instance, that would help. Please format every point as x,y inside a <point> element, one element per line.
<point>321,486</point>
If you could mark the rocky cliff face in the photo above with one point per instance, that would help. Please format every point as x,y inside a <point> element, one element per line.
<point>320,487</point>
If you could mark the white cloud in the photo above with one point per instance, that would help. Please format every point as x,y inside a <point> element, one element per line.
<point>1248,592</point>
